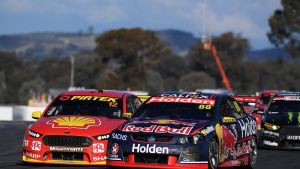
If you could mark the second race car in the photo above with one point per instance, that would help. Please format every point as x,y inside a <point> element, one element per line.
<point>185,130</point>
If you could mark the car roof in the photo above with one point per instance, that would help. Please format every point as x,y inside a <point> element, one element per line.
<point>269,92</point>
<point>245,98</point>
<point>188,94</point>
<point>94,92</point>
<point>287,94</point>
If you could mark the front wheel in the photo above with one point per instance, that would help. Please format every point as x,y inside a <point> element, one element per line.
<point>214,155</point>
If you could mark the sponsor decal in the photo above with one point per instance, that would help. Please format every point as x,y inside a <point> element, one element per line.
<point>207,130</point>
<point>151,139</point>
<point>270,143</point>
<point>98,148</point>
<point>99,158</point>
<point>32,155</point>
<point>115,149</point>
<point>229,141</point>
<point>74,122</point>
<point>36,145</point>
<point>158,129</point>
<point>236,162</point>
<point>292,98</point>
<point>25,143</point>
<point>181,100</point>
<point>270,133</point>
<point>103,137</point>
<point>119,136</point>
<point>90,98</point>
<point>149,149</point>
<point>66,149</point>
<point>291,116</point>
<point>174,122</point>
<point>33,134</point>
<point>243,148</point>
<point>248,127</point>
<point>293,137</point>
<point>185,95</point>
<point>240,99</point>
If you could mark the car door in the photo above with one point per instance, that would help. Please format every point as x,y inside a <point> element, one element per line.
<point>246,128</point>
<point>228,130</point>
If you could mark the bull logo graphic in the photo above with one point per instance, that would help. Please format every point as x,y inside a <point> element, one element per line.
<point>229,141</point>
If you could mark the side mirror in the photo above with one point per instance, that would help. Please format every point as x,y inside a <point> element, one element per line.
<point>127,115</point>
<point>36,114</point>
<point>228,120</point>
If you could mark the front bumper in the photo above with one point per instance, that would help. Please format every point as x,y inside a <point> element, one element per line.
<point>35,151</point>
<point>280,139</point>
<point>171,165</point>
<point>151,155</point>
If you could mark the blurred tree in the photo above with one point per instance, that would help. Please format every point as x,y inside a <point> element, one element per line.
<point>55,72</point>
<point>285,27</point>
<point>231,49</point>
<point>129,53</point>
<point>13,75</point>
<point>196,80</point>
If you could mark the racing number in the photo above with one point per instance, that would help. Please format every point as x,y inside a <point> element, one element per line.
<point>205,106</point>
<point>113,104</point>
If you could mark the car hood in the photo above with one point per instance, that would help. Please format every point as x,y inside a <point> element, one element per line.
<point>283,118</point>
<point>75,125</point>
<point>164,126</point>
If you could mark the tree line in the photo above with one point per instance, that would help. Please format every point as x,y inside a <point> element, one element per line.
<point>136,59</point>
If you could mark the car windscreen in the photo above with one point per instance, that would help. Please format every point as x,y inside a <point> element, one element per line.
<point>265,99</point>
<point>174,111</point>
<point>86,106</point>
<point>284,106</point>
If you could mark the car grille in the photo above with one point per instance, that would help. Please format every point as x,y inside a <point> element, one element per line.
<point>67,156</point>
<point>74,141</point>
<point>153,139</point>
<point>290,130</point>
<point>151,158</point>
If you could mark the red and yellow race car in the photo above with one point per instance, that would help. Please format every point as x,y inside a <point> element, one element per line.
<point>74,128</point>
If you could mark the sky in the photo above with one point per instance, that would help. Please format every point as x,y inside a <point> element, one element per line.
<point>199,17</point>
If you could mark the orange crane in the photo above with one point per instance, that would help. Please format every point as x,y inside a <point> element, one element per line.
<point>208,45</point>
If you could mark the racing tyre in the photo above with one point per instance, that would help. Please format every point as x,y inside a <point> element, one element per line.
<point>252,156</point>
<point>213,154</point>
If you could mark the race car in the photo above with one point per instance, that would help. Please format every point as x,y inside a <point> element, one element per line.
<point>262,101</point>
<point>281,122</point>
<point>248,102</point>
<point>74,128</point>
<point>264,97</point>
<point>185,130</point>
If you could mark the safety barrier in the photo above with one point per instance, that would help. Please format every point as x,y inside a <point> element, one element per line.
<point>18,113</point>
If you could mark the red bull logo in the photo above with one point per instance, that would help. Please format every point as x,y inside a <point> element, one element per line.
<point>228,142</point>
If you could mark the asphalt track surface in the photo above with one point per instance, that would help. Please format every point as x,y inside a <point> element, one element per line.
<point>11,138</point>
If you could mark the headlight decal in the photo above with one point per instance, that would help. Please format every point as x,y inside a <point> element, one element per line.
<point>271,126</point>
<point>34,134</point>
<point>102,137</point>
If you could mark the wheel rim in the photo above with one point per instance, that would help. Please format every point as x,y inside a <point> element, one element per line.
<point>253,154</point>
<point>213,154</point>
